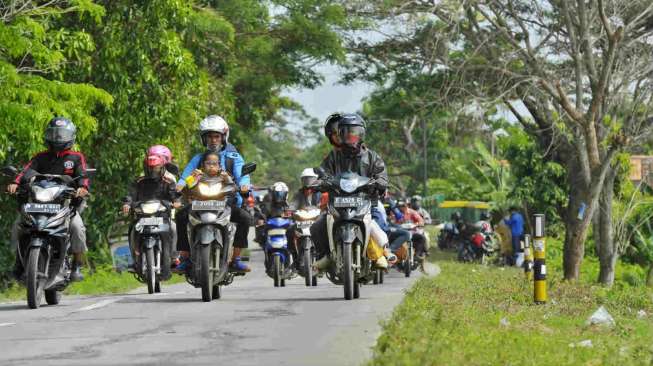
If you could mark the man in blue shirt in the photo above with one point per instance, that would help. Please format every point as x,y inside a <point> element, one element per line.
<point>516,223</point>
<point>214,134</point>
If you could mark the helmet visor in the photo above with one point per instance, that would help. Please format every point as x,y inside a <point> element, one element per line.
<point>59,135</point>
<point>307,181</point>
<point>352,135</point>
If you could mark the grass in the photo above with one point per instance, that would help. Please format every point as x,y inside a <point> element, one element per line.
<point>455,319</point>
<point>103,281</point>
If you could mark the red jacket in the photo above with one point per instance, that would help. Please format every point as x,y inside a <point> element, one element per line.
<point>412,216</point>
<point>67,162</point>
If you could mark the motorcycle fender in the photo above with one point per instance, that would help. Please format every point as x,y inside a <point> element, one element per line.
<point>36,243</point>
<point>348,233</point>
<point>149,242</point>
<point>206,235</point>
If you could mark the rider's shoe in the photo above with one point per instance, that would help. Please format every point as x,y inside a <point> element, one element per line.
<point>390,256</point>
<point>381,263</point>
<point>238,266</point>
<point>76,274</point>
<point>184,266</point>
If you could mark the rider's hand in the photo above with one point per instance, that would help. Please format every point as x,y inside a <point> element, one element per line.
<point>179,188</point>
<point>125,209</point>
<point>260,222</point>
<point>82,192</point>
<point>197,173</point>
<point>176,204</point>
<point>12,188</point>
<point>244,188</point>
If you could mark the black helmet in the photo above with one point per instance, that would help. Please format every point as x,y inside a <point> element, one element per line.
<point>279,193</point>
<point>351,130</point>
<point>456,216</point>
<point>331,126</point>
<point>60,134</point>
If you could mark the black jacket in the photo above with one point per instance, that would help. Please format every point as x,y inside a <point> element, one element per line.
<point>366,163</point>
<point>67,162</point>
<point>145,189</point>
<point>302,200</point>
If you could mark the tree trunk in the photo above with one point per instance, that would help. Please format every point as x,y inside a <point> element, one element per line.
<point>576,229</point>
<point>604,235</point>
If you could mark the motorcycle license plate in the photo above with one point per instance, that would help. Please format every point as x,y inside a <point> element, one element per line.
<point>151,221</point>
<point>208,205</point>
<point>42,208</point>
<point>344,202</point>
<point>304,224</point>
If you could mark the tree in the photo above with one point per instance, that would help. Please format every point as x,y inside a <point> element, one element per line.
<point>579,70</point>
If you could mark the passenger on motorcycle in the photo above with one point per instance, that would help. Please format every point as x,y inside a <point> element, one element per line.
<point>349,154</point>
<point>416,204</point>
<point>58,159</point>
<point>214,135</point>
<point>410,215</point>
<point>156,184</point>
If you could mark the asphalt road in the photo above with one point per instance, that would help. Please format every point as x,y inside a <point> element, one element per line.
<point>253,324</point>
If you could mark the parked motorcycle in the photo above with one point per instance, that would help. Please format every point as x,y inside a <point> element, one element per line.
<point>479,245</point>
<point>304,218</point>
<point>151,225</point>
<point>278,260</point>
<point>211,234</point>
<point>449,237</point>
<point>348,227</point>
<point>44,246</point>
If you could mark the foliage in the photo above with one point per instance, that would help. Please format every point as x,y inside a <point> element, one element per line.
<point>455,318</point>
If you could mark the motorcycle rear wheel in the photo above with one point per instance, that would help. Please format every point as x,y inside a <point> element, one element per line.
<point>52,297</point>
<point>276,275</point>
<point>35,283</point>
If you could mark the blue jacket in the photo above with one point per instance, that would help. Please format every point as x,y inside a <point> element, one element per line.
<point>228,152</point>
<point>516,223</point>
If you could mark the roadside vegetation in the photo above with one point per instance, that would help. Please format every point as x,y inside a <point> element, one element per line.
<point>485,315</point>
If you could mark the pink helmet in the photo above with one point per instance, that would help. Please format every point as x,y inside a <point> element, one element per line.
<point>162,151</point>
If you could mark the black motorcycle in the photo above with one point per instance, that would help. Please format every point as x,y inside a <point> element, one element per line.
<point>44,245</point>
<point>151,224</point>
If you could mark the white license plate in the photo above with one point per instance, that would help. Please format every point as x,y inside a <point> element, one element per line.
<point>208,205</point>
<point>42,207</point>
<point>343,202</point>
<point>151,221</point>
<point>304,224</point>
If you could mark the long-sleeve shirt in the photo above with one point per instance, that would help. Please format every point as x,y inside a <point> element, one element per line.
<point>144,189</point>
<point>366,163</point>
<point>516,223</point>
<point>411,216</point>
<point>67,162</point>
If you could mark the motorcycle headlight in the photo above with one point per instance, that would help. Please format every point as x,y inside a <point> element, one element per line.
<point>348,185</point>
<point>151,207</point>
<point>45,194</point>
<point>209,190</point>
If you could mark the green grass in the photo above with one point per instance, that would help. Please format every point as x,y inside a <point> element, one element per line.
<point>103,281</point>
<point>454,319</point>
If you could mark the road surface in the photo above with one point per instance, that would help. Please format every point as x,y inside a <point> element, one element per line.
<point>253,324</point>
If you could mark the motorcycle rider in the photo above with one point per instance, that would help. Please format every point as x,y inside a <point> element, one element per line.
<point>416,204</point>
<point>58,159</point>
<point>214,135</point>
<point>349,154</point>
<point>410,215</point>
<point>156,184</point>
<point>306,196</point>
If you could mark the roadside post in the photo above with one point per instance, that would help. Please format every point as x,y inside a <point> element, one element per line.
<point>539,249</point>
<point>528,257</point>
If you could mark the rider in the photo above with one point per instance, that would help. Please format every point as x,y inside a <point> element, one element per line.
<point>410,215</point>
<point>349,154</point>
<point>306,196</point>
<point>214,134</point>
<point>416,204</point>
<point>59,159</point>
<point>156,184</point>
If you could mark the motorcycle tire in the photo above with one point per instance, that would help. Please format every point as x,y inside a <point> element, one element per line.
<point>34,282</point>
<point>52,297</point>
<point>348,272</point>
<point>408,264</point>
<point>150,273</point>
<point>206,277</point>
<point>276,271</point>
<point>308,265</point>
<point>217,292</point>
<point>381,276</point>
<point>314,281</point>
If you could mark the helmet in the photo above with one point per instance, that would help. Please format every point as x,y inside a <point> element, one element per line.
<point>416,201</point>
<point>331,126</point>
<point>351,130</point>
<point>456,216</point>
<point>60,134</point>
<point>416,198</point>
<point>161,151</point>
<point>213,123</point>
<point>154,166</point>
<point>279,193</point>
<point>308,177</point>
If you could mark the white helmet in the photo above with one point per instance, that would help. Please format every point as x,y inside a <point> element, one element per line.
<point>214,123</point>
<point>279,192</point>
<point>308,172</point>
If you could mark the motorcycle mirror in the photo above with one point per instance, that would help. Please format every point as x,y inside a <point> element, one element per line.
<point>319,171</point>
<point>248,168</point>
<point>9,171</point>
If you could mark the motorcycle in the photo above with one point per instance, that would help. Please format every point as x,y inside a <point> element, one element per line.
<point>348,227</point>
<point>449,237</point>
<point>479,245</point>
<point>412,261</point>
<point>211,234</point>
<point>151,224</point>
<point>304,218</point>
<point>278,260</point>
<point>44,246</point>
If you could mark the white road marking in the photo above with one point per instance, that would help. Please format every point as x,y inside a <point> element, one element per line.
<point>6,324</point>
<point>99,304</point>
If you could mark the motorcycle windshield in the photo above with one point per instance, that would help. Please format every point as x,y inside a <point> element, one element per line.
<point>349,182</point>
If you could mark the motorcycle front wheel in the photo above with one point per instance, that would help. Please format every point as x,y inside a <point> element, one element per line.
<point>36,277</point>
<point>150,273</point>
<point>206,277</point>
<point>348,272</point>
